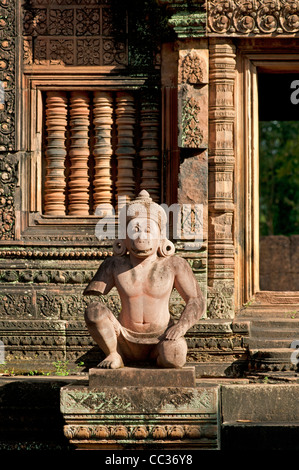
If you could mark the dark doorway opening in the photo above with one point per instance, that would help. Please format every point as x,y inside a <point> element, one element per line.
<point>279,181</point>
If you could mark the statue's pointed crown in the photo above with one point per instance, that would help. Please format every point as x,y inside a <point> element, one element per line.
<point>144,206</point>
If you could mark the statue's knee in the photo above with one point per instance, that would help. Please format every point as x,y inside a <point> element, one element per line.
<point>172,354</point>
<point>94,312</point>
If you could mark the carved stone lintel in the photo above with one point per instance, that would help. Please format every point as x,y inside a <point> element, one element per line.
<point>263,17</point>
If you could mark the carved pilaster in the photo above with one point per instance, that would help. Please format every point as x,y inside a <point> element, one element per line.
<point>55,183</point>
<point>150,149</point>
<point>79,152</point>
<point>221,168</point>
<point>125,151</point>
<point>193,79</point>
<point>103,121</point>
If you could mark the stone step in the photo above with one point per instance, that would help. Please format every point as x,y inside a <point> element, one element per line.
<point>261,332</point>
<point>260,416</point>
<point>263,403</point>
<point>256,343</point>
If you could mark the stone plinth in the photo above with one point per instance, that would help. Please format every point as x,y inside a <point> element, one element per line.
<point>147,377</point>
<point>130,410</point>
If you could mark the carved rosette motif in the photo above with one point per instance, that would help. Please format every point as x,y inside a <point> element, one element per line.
<point>125,149</point>
<point>239,17</point>
<point>150,153</point>
<point>55,183</point>
<point>72,33</point>
<point>79,154</point>
<point>103,122</point>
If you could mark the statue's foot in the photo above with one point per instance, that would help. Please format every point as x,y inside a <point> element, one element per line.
<point>113,361</point>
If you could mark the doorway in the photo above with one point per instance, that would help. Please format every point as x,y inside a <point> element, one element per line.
<point>278,97</point>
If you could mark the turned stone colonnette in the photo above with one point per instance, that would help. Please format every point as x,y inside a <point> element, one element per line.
<point>144,270</point>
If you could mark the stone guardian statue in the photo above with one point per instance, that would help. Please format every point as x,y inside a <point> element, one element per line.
<point>144,270</point>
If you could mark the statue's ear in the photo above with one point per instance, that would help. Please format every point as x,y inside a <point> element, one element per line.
<point>166,248</point>
<point>119,247</point>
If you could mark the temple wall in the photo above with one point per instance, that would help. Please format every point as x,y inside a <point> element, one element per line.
<point>189,76</point>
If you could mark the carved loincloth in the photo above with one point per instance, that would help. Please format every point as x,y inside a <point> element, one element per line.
<point>136,337</point>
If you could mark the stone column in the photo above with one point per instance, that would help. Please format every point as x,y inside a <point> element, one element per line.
<point>103,121</point>
<point>221,177</point>
<point>125,148</point>
<point>150,148</point>
<point>79,154</point>
<point>56,123</point>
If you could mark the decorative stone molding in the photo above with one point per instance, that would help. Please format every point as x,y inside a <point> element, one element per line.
<point>169,416</point>
<point>255,17</point>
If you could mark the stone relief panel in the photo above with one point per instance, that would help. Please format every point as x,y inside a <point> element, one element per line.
<point>72,33</point>
<point>193,98</point>
<point>255,17</point>
<point>7,75</point>
<point>8,181</point>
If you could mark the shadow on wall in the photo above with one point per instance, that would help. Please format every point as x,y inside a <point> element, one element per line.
<point>30,417</point>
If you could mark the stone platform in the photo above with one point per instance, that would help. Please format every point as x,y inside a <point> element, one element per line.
<point>134,408</point>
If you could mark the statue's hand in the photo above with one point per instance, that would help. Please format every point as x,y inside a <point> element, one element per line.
<point>175,332</point>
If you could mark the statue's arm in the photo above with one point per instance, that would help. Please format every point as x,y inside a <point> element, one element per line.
<point>187,286</point>
<point>103,280</point>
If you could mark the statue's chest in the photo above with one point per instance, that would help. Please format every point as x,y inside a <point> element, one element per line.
<point>155,282</point>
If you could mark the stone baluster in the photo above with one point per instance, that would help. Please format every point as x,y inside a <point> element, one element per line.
<point>79,154</point>
<point>56,123</point>
<point>150,153</point>
<point>125,149</point>
<point>103,121</point>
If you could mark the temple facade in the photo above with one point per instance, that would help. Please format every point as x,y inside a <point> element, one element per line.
<point>101,99</point>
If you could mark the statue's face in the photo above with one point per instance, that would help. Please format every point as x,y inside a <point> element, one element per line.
<point>143,237</point>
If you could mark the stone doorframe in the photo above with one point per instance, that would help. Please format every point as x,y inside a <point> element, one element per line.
<point>255,56</point>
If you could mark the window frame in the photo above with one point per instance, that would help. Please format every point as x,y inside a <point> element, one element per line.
<point>32,222</point>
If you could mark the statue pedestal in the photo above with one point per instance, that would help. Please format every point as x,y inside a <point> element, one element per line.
<point>132,408</point>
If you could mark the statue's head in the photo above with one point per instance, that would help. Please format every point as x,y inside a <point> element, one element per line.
<point>145,229</point>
